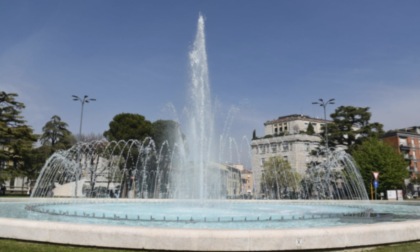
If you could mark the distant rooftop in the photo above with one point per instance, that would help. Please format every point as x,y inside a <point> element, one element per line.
<point>295,117</point>
<point>409,130</point>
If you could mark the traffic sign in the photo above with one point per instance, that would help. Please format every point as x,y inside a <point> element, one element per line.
<point>375,184</point>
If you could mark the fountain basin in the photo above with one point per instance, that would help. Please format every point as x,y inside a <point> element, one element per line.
<point>260,235</point>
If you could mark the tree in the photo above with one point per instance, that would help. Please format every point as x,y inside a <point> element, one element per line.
<point>16,138</point>
<point>56,135</point>
<point>9,117</point>
<point>310,130</point>
<point>34,160</point>
<point>351,126</point>
<point>126,126</point>
<point>375,155</point>
<point>166,130</point>
<point>254,135</point>
<point>278,178</point>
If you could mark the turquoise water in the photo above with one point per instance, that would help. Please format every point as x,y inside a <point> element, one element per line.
<point>210,215</point>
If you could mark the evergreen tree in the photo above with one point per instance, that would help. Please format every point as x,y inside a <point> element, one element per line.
<point>16,138</point>
<point>310,130</point>
<point>56,135</point>
<point>126,126</point>
<point>166,130</point>
<point>254,135</point>
<point>351,126</point>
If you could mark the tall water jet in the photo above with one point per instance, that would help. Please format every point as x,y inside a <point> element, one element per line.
<point>199,177</point>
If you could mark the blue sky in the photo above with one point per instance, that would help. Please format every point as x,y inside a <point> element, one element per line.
<point>266,59</point>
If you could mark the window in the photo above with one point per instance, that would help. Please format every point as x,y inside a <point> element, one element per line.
<point>261,147</point>
<point>262,161</point>
<point>285,146</point>
<point>274,148</point>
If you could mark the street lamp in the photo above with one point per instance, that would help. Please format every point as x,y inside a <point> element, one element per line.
<point>324,104</point>
<point>83,100</point>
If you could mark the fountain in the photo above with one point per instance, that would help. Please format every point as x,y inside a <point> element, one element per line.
<point>130,194</point>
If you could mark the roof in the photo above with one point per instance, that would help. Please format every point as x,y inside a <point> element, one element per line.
<point>295,117</point>
<point>415,130</point>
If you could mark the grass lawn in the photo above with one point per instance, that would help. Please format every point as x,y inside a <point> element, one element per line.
<point>23,246</point>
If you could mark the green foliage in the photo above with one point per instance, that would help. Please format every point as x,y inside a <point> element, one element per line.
<point>34,160</point>
<point>27,246</point>
<point>351,126</point>
<point>126,126</point>
<point>375,155</point>
<point>56,135</point>
<point>254,135</point>
<point>16,138</point>
<point>277,176</point>
<point>310,130</point>
<point>165,130</point>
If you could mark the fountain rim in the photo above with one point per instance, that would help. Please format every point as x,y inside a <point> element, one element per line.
<point>178,219</point>
<point>207,239</point>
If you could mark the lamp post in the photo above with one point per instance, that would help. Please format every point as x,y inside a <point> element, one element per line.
<point>324,104</point>
<point>83,100</point>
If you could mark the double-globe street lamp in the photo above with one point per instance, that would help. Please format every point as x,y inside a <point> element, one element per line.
<point>83,100</point>
<point>324,104</point>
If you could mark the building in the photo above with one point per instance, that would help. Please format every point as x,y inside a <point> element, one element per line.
<point>286,137</point>
<point>237,181</point>
<point>247,183</point>
<point>407,142</point>
<point>292,124</point>
<point>12,184</point>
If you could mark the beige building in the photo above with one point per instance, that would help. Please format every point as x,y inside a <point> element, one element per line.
<point>285,137</point>
<point>237,181</point>
<point>292,124</point>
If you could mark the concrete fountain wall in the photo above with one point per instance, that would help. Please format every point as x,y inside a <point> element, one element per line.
<point>179,239</point>
<point>209,240</point>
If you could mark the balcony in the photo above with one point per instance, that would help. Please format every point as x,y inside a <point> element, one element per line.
<point>409,157</point>
<point>404,147</point>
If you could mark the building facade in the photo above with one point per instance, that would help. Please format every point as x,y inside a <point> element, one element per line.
<point>292,124</point>
<point>286,137</point>
<point>406,142</point>
<point>237,181</point>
